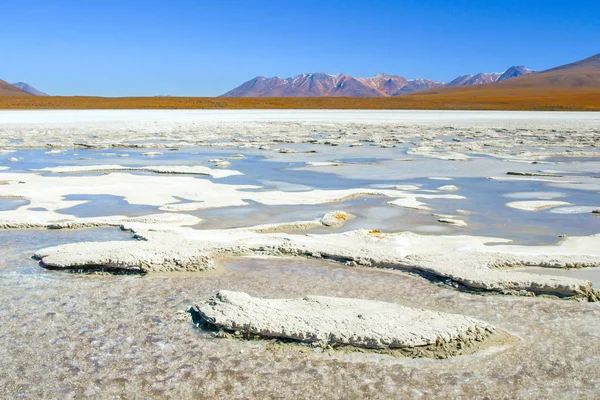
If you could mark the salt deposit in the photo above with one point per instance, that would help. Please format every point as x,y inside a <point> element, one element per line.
<point>330,321</point>
<point>132,331</point>
<point>165,169</point>
<point>536,205</point>
<point>463,260</point>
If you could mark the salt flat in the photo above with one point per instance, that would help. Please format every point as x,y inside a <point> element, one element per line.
<point>149,128</point>
<point>539,118</point>
<point>228,196</point>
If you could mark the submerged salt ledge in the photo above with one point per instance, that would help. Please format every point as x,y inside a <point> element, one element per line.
<point>536,205</point>
<point>163,169</point>
<point>332,321</point>
<point>59,221</point>
<point>412,202</point>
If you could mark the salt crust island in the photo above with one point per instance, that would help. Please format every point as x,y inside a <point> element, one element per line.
<point>461,261</point>
<point>355,323</point>
<point>167,241</point>
<point>47,193</point>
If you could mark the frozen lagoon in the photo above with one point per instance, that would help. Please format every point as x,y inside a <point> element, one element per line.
<point>288,158</point>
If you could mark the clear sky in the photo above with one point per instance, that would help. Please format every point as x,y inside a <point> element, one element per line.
<point>205,48</point>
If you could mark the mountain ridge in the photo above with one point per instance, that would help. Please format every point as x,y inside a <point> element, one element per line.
<point>6,89</point>
<point>580,75</point>
<point>319,84</point>
<point>29,89</point>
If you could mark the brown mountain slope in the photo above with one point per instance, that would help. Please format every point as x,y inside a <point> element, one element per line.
<point>583,75</point>
<point>573,86</point>
<point>6,89</point>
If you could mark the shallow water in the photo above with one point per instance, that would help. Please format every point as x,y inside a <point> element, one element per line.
<point>105,206</point>
<point>485,202</point>
<point>11,204</point>
<point>371,212</point>
<point>64,335</point>
<point>487,199</point>
<point>102,336</point>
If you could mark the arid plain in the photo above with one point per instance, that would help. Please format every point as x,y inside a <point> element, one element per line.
<point>491,99</point>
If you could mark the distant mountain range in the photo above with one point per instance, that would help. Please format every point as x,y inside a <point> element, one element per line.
<point>6,89</point>
<point>571,86</point>
<point>382,85</point>
<point>18,89</point>
<point>29,89</point>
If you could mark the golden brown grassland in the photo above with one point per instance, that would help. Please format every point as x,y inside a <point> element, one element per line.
<point>474,99</point>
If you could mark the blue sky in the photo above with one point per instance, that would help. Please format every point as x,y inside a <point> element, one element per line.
<point>204,48</point>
